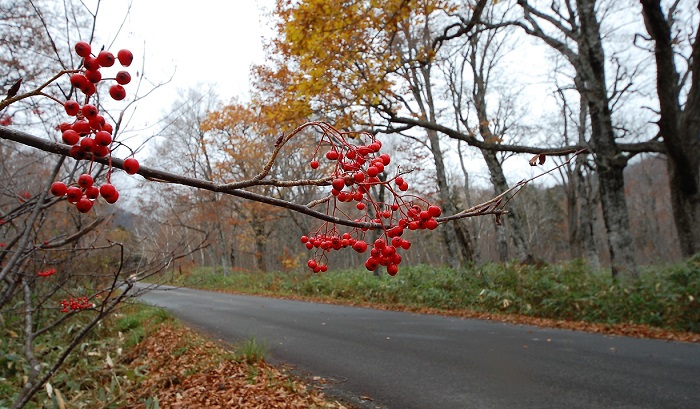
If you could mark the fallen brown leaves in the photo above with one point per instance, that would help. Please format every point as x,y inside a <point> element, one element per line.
<point>185,371</point>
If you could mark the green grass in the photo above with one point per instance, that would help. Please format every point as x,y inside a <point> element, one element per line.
<point>252,351</point>
<point>87,373</point>
<point>664,297</point>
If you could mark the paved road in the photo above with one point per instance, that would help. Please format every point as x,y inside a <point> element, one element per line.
<point>404,360</point>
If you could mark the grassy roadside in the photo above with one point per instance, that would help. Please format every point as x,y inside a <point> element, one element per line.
<point>663,304</point>
<point>143,358</point>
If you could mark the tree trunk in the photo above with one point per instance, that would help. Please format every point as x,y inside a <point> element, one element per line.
<point>449,236</point>
<point>679,126</point>
<point>498,179</point>
<point>512,218</point>
<point>610,162</point>
<point>588,59</point>
<point>587,219</point>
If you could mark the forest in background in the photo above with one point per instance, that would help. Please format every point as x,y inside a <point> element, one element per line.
<point>444,84</point>
<point>463,94</point>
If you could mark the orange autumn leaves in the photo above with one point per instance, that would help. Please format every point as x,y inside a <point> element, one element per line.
<point>342,57</point>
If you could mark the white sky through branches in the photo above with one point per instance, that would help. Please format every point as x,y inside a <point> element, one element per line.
<point>206,42</point>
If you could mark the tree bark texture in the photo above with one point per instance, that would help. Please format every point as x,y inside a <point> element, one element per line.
<point>679,126</point>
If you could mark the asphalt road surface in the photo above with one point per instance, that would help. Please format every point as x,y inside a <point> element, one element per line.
<point>404,360</point>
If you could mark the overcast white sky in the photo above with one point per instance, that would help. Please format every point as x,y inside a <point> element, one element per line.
<point>202,41</point>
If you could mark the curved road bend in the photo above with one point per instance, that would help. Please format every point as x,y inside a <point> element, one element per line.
<point>405,360</point>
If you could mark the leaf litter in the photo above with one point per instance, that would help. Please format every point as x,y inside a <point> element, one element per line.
<point>183,370</point>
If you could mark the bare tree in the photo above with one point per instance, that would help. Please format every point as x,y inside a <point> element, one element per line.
<point>679,121</point>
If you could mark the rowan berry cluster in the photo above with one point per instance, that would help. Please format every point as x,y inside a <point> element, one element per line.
<point>357,168</point>
<point>73,304</point>
<point>89,134</point>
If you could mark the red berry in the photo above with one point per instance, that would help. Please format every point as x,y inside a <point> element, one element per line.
<point>375,146</point>
<point>107,190</point>
<point>123,77</point>
<point>434,211</point>
<point>70,137</point>
<point>90,63</point>
<point>84,205</point>
<point>112,199</point>
<point>103,138</point>
<point>360,246</point>
<point>360,206</point>
<point>97,122</point>
<point>74,194</point>
<point>125,57</point>
<point>82,127</point>
<point>392,269</point>
<point>92,192</point>
<point>72,108</point>
<point>338,184</point>
<point>93,76</point>
<point>58,189</point>
<point>64,126</point>
<point>312,264</point>
<point>88,88</point>
<point>78,80</point>
<point>88,144</point>
<point>100,151</point>
<point>332,155</point>
<point>314,164</point>
<point>358,177</point>
<point>131,166</point>
<point>85,181</point>
<point>117,92</point>
<point>372,171</point>
<point>89,111</point>
<point>399,181</point>
<point>403,187</point>
<point>82,49</point>
<point>107,128</point>
<point>386,159</point>
<point>372,263</point>
<point>105,59</point>
<point>77,152</point>
<point>431,224</point>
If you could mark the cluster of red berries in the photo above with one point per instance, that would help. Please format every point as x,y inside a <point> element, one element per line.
<point>46,273</point>
<point>83,195</point>
<point>89,134</point>
<point>90,75</point>
<point>357,169</point>
<point>73,304</point>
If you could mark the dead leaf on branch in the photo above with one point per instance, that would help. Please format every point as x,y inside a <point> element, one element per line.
<point>14,89</point>
<point>538,159</point>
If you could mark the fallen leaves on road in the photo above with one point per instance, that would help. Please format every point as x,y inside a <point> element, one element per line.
<point>185,371</point>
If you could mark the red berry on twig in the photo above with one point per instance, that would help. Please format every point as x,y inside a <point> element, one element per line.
<point>58,189</point>
<point>131,166</point>
<point>82,48</point>
<point>105,59</point>
<point>117,92</point>
<point>123,77</point>
<point>125,57</point>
